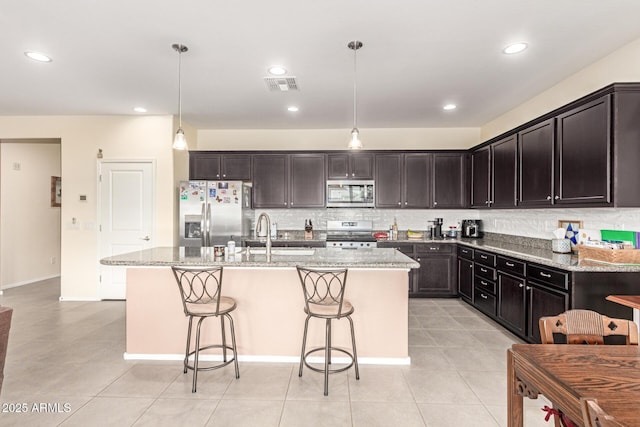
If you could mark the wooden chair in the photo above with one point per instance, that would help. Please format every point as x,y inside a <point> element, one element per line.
<point>586,327</point>
<point>594,416</point>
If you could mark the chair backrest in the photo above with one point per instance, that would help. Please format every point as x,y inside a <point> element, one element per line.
<point>5,325</point>
<point>586,327</point>
<point>323,287</point>
<point>199,285</point>
<point>594,416</point>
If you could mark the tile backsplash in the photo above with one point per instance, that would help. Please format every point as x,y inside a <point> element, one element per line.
<point>537,223</point>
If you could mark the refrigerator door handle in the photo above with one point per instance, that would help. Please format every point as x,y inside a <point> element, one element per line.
<point>202,225</point>
<point>209,224</point>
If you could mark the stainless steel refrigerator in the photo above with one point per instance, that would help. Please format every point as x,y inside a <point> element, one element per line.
<point>214,212</point>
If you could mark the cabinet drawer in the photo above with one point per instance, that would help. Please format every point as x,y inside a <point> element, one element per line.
<point>434,248</point>
<point>485,284</point>
<point>510,265</point>
<point>559,279</point>
<point>484,301</point>
<point>484,258</point>
<point>485,272</point>
<point>465,252</point>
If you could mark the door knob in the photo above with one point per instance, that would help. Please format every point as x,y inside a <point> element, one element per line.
<point>145,238</point>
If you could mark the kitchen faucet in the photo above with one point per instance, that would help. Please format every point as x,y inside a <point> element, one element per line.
<point>259,229</point>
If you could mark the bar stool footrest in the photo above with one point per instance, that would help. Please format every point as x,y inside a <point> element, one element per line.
<point>330,370</point>
<point>210,368</point>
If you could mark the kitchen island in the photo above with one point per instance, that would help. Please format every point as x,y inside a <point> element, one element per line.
<point>269,319</point>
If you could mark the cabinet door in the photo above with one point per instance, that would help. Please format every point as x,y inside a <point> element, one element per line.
<point>204,166</point>
<point>270,181</point>
<point>543,301</point>
<point>436,275</point>
<point>388,180</point>
<point>512,302</point>
<point>535,147</point>
<point>236,167</point>
<point>583,154</point>
<point>417,177</point>
<point>503,173</point>
<point>465,278</point>
<point>480,183</point>
<point>338,166</point>
<point>361,166</point>
<point>307,181</point>
<point>448,181</point>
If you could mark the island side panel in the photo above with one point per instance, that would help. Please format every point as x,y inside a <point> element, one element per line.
<point>269,319</point>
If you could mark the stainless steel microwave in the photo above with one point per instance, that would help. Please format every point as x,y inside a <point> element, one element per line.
<point>350,194</point>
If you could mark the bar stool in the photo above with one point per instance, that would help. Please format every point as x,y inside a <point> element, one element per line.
<point>324,299</point>
<point>200,289</point>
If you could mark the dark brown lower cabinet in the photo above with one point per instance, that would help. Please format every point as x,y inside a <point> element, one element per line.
<point>465,278</point>
<point>512,302</point>
<point>437,274</point>
<point>543,301</point>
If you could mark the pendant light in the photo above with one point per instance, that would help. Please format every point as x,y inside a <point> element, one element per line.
<point>355,143</point>
<point>180,141</point>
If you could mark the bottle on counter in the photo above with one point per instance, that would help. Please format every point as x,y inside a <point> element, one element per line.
<point>274,230</point>
<point>394,229</point>
<point>390,237</point>
<point>231,250</point>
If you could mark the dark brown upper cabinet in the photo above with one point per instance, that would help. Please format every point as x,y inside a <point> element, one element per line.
<point>205,165</point>
<point>583,155</point>
<point>388,179</point>
<point>449,181</point>
<point>307,180</point>
<point>270,181</point>
<point>481,178</point>
<point>504,178</point>
<point>403,181</point>
<point>536,155</point>
<point>350,166</point>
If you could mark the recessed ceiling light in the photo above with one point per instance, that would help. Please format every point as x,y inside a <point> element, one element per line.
<point>140,109</point>
<point>293,108</point>
<point>277,70</point>
<point>450,107</point>
<point>37,56</point>
<point>514,48</point>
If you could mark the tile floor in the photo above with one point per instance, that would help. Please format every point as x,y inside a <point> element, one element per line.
<point>65,367</point>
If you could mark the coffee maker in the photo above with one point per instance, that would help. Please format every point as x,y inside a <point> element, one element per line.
<point>471,228</point>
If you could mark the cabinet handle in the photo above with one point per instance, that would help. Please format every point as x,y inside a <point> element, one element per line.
<point>483,283</point>
<point>418,259</point>
<point>509,264</point>
<point>470,265</point>
<point>406,203</point>
<point>224,175</point>
<point>483,256</point>
<point>433,249</point>
<point>353,174</point>
<point>483,296</point>
<point>528,288</point>
<point>548,197</point>
<point>521,285</point>
<point>545,275</point>
<point>557,197</point>
<point>464,251</point>
<point>484,270</point>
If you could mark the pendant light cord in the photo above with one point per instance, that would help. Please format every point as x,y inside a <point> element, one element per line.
<point>180,86</point>
<point>355,78</point>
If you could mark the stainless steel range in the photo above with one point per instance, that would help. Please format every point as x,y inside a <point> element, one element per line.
<point>350,234</point>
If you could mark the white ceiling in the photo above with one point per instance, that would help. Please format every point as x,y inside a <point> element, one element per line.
<point>112,55</point>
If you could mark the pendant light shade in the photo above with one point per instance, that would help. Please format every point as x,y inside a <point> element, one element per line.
<point>355,143</point>
<point>180,141</point>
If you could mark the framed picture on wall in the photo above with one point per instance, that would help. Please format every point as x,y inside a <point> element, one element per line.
<point>56,191</point>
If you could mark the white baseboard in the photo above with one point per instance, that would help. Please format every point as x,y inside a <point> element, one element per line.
<point>65,299</point>
<point>274,359</point>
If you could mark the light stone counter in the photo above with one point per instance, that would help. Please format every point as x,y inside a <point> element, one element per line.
<point>281,257</point>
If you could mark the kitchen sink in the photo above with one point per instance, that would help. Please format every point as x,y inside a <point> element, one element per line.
<point>284,251</point>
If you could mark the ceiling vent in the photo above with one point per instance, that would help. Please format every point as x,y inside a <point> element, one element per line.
<point>281,84</point>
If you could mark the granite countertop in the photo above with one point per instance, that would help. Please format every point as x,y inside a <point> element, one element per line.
<point>321,258</point>
<point>529,253</point>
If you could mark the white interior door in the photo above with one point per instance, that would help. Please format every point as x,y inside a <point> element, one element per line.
<point>126,218</point>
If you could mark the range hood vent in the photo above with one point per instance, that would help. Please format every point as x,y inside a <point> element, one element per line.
<point>281,84</point>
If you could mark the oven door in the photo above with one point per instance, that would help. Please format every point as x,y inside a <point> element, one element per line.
<point>350,194</point>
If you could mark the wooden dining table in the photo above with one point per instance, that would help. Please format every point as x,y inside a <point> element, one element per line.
<point>565,373</point>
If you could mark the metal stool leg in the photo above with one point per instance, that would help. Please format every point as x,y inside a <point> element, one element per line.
<point>224,340</point>
<point>186,353</point>
<point>327,356</point>
<point>197,355</point>
<point>304,344</point>
<point>233,342</point>
<point>353,344</point>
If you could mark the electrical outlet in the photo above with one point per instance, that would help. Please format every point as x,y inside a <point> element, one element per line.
<point>53,260</point>
<point>16,166</point>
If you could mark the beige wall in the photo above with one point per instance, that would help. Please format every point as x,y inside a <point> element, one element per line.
<point>337,139</point>
<point>623,65</point>
<point>29,225</point>
<point>120,137</point>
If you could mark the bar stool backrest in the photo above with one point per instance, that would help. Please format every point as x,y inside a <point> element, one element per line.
<point>323,287</point>
<point>199,285</point>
